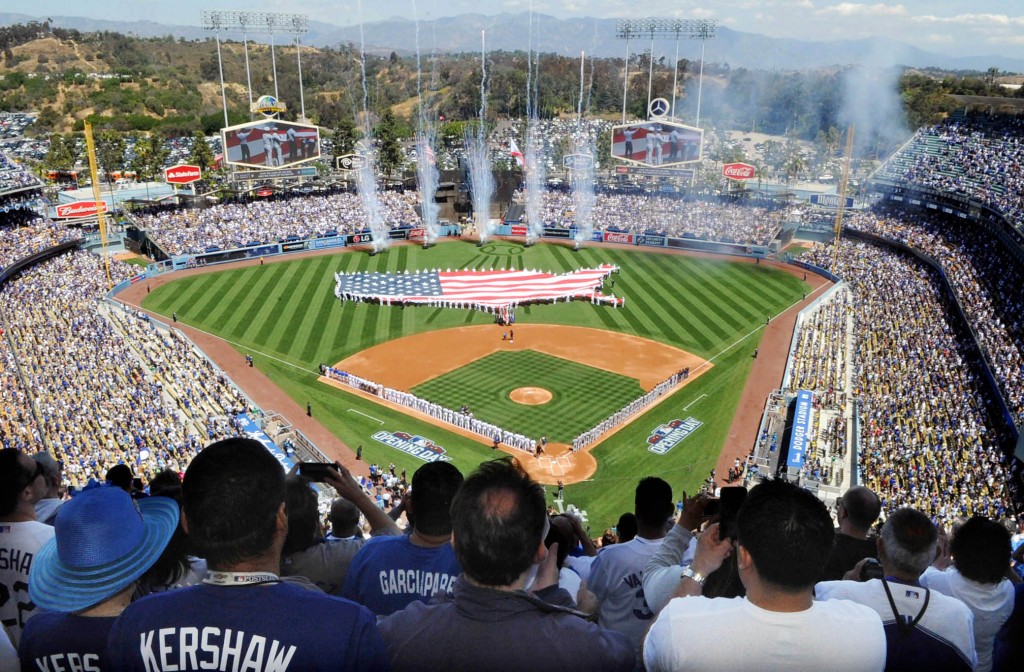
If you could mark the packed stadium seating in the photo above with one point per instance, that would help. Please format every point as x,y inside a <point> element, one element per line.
<point>925,440</point>
<point>977,156</point>
<point>639,213</point>
<point>239,224</point>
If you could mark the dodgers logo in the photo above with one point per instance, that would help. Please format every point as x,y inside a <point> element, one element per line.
<point>666,437</point>
<point>419,447</point>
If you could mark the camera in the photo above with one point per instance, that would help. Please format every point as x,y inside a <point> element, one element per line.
<point>872,569</point>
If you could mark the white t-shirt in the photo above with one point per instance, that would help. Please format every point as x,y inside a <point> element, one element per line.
<point>19,542</point>
<point>616,578</point>
<point>991,604</point>
<point>700,633</point>
<point>947,624</point>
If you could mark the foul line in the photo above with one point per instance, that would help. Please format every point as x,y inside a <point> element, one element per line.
<point>352,410</point>
<point>687,407</point>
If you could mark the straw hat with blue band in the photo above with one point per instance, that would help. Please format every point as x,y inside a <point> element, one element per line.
<point>104,541</point>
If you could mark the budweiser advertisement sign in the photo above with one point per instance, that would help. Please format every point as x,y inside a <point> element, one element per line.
<point>182,174</point>
<point>739,171</point>
<point>81,209</point>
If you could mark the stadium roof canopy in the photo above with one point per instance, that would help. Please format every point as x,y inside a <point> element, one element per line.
<point>992,103</point>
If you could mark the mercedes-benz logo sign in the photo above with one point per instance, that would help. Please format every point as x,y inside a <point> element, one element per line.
<point>659,107</point>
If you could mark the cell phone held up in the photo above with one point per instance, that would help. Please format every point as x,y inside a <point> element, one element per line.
<point>317,472</point>
<point>726,506</point>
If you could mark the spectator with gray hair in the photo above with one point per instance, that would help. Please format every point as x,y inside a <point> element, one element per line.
<point>924,629</point>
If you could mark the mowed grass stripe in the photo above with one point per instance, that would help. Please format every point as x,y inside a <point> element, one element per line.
<point>317,343</point>
<point>211,301</point>
<point>243,322</point>
<point>733,288</point>
<point>277,303</point>
<point>660,300</point>
<point>486,384</point>
<point>297,320</point>
<point>712,307</point>
<point>294,310</point>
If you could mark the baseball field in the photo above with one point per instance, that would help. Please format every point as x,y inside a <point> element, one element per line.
<point>706,312</point>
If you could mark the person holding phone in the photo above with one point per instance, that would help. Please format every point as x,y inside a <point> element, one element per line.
<point>783,537</point>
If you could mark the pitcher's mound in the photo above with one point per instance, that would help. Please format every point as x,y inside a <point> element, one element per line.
<point>531,396</point>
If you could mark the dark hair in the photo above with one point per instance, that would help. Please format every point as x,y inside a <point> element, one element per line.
<point>862,507</point>
<point>909,540</point>
<point>725,581</point>
<point>13,477</point>
<point>232,492</point>
<point>344,517</point>
<point>625,529</point>
<point>653,503</point>
<point>300,502</point>
<point>498,517</point>
<point>120,475</point>
<point>433,488</point>
<point>981,550</point>
<point>174,562</point>
<point>167,483</point>
<point>788,533</point>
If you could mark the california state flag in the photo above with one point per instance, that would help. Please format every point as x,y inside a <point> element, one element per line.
<point>513,148</point>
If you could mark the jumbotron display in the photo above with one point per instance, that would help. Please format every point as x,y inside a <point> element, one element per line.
<point>270,144</point>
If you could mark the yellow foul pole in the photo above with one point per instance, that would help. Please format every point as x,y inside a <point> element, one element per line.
<point>90,147</point>
<point>841,206</point>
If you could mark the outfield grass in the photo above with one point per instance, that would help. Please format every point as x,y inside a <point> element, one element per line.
<point>286,315</point>
<point>582,395</point>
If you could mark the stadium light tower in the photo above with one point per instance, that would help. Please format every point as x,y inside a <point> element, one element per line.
<point>678,29</point>
<point>260,23</point>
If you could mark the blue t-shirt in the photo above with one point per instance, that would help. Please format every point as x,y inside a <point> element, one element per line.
<point>389,573</point>
<point>274,626</point>
<point>57,641</point>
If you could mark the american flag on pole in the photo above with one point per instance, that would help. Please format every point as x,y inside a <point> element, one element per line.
<point>475,289</point>
<point>513,149</point>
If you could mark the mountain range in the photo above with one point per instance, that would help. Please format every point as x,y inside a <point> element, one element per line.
<point>511,32</point>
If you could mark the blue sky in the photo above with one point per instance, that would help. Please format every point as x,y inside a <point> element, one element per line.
<point>956,27</point>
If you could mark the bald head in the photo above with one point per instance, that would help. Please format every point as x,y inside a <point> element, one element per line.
<point>862,508</point>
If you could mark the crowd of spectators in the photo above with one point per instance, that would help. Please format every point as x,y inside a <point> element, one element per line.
<point>25,233</point>
<point>100,386</point>
<point>926,440</point>
<point>230,225</point>
<point>979,157</point>
<point>666,215</point>
<point>986,281</point>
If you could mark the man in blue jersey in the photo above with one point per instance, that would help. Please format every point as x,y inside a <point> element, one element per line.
<point>924,629</point>
<point>389,573</point>
<point>242,616</point>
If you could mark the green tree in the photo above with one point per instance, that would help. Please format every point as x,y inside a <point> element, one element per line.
<point>150,155</point>
<point>389,151</point>
<point>201,154</point>
<point>345,136</point>
<point>60,155</point>
<point>110,151</point>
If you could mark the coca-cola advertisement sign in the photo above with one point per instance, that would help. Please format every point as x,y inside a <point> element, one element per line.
<point>519,230</point>
<point>81,209</point>
<point>614,237</point>
<point>739,171</point>
<point>183,174</point>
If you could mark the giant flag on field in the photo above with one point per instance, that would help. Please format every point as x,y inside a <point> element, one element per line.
<point>474,289</point>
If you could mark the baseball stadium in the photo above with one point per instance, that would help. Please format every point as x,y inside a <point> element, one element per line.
<point>615,306</point>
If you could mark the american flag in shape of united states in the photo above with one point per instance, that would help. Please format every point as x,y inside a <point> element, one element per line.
<point>480,289</point>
